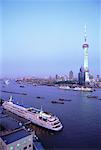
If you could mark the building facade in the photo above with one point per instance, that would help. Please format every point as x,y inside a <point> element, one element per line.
<point>81,76</point>
<point>71,76</point>
<point>17,140</point>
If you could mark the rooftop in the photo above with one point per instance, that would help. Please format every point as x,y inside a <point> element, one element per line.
<point>14,136</point>
<point>8,123</point>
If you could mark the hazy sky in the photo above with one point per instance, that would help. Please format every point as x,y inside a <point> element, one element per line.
<point>43,38</point>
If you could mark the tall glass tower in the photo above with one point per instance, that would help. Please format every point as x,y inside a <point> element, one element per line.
<point>85,47</point>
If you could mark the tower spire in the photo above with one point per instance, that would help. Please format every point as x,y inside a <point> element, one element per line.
<point>85,47</point>
<point>85,32</point>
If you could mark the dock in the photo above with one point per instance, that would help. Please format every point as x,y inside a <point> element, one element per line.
<point>27,123</point>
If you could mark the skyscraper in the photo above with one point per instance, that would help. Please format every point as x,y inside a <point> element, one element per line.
<point>85,47</point>
<point>71,75</point>
<point>81,76</point>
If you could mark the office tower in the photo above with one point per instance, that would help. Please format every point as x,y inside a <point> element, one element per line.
<point>81,76</point>
<point>71,75</point>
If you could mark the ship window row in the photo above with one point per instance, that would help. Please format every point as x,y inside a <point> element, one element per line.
<point>44,119</point>
<point>17,110</point>
<point>52,120</point>
<point>14,108</point>
<point>56,126</point>
<point>56,123</point>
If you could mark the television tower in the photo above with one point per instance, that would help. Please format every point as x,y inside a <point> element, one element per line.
<point>85,47</point>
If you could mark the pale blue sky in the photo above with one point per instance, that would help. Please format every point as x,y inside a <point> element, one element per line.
<point>45,38</point>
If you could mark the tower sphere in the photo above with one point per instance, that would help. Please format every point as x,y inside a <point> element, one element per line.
<point>85,45</point>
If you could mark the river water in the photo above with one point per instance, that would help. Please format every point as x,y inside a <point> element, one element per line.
<point>81,117</point>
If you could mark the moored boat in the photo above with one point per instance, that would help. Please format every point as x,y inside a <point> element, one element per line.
<point>36,116</point>
<point>84,89</point>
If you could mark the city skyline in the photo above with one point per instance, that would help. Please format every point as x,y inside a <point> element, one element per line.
<point>45,38</point>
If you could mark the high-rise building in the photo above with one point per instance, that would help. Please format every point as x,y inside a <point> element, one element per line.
<point>91,76</point>
<point>98,78</point>
<point>71,75</point>
<point>81,76</point>
<point>85,47</point>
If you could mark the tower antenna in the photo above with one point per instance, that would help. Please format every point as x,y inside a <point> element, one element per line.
<point>85,32</point>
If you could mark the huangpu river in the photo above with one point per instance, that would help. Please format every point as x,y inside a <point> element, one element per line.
<point>81,117</point>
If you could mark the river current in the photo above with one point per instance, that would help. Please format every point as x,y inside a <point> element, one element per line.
<point>81,117</point>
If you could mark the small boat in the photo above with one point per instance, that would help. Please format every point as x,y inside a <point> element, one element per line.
<point>57,102</point>
<point>92,96</point>
<point>22,86</point>
<point>69,100</point>
<point>24,93</point>
<point>39,97</point>
<point>6,82</point>
<point>61,99</point>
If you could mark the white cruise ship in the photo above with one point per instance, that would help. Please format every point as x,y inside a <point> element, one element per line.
<point>65,87</point>
<point>36,116</point>
<point>84,89</point>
